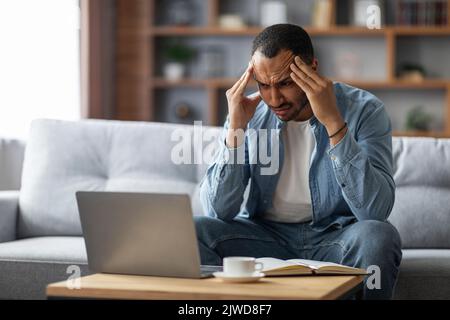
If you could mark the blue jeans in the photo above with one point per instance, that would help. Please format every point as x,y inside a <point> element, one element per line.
<point>360,244</point>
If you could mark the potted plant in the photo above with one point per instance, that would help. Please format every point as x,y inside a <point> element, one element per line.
<point>417,119</point>
<point>177,55</point>
<point>412,72</point>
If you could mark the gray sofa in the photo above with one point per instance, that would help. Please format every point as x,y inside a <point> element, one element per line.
<point>40,233</point>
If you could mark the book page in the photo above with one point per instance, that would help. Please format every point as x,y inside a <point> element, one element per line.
<point>327,267</point>
<point>274,266</point>
<point>274,263</point>
<point>305,265</point>
<point>313,264</point>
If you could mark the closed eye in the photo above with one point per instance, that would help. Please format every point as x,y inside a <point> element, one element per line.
<point>285,83</point>
<point>262,85</point>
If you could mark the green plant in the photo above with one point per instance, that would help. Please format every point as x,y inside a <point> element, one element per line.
<point>412,67</point>
<point>417,119</point>
<point>178,52</point>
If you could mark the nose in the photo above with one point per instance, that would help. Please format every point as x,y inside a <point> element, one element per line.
<point>276,98</point>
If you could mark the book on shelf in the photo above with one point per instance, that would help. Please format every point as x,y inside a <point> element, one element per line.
<point>422,12</point>
<point>278,267</point>
<point>322,14</point>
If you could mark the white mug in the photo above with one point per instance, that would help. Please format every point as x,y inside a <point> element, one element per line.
<point>241,266</point>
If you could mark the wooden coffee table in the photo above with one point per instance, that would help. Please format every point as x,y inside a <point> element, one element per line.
<point>113,286</point>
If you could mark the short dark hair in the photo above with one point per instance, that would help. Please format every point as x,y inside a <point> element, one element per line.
<point>277,37</point>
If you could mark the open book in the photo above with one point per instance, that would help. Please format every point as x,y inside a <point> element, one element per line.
<point>278,267</point>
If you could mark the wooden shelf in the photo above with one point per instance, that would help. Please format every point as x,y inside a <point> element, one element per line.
<point>253,31</point>
<point>425,84</point>
<point>338,30</point>
<point>138,35</point>
<point>399,84</point>
<point>223,83</point>
<point>435,134</point>
<point>220,83</point>
<point>420,30</point>
<point>202,31</point>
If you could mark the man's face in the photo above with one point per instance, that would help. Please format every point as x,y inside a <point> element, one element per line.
<point>283,96</point>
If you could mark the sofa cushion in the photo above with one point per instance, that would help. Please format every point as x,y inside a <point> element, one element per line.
<point>424,274</point>
<point>27,266</point>
<point>41,249</point>
<point>422,175</point>
<point>63,157</point>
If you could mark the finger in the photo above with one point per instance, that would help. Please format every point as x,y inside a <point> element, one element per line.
<point>310,72</point>
<point>252,100</point>
<point>302,84</point>
<point>244,82</point>
<point>302,75</point>
<point>255,97</point>
<point>237,83</point>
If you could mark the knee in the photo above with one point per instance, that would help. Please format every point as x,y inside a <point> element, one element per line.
<point>377,239</point>
<point>207,227</point>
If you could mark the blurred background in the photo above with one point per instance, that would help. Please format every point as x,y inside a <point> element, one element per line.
<point>173,60</point>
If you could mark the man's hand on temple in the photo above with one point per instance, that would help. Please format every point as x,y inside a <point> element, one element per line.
<point>241,108</point>
<point>321,96</point>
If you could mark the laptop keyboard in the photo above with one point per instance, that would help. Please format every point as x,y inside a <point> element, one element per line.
<point>206,270</point>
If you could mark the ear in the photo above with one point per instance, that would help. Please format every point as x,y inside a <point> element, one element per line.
<point>315,64</point>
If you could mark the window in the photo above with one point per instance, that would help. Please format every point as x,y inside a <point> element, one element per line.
<point>39,63</point>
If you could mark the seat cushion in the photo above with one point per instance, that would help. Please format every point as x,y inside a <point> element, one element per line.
<point>424,274</point>
<point>27,266</point>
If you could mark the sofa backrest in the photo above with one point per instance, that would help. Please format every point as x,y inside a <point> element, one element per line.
<point>63,157</point>
<point>11,161</point>
<point>421,211</point>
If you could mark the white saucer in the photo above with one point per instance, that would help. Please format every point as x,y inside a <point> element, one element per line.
<point>236,279</point>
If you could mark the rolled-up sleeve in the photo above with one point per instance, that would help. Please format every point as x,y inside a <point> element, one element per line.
<point>222,188</point>
<point>363,167</point>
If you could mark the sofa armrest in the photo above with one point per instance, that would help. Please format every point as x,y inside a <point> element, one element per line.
<point>12,152</point>
<point>9,208</point>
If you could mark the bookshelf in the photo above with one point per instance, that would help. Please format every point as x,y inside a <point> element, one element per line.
<point>143,93</point>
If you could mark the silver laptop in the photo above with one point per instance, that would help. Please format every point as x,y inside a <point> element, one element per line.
<point>141,234</point>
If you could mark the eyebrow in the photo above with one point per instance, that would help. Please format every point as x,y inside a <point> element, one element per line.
<point>284,80</point>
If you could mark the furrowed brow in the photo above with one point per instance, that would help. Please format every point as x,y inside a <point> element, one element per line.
<point>259,82</point>
<point>265,84</point>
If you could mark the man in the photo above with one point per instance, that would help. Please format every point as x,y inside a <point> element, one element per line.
<point>334,190</point>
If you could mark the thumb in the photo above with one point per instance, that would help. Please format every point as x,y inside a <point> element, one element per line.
<point>254,99</point>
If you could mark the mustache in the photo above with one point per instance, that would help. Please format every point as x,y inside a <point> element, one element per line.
<point>283,106</point>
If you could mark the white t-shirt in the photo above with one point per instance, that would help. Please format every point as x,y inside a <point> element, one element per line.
<point>292,198</point>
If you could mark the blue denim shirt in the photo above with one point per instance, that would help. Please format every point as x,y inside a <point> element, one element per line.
<point>349,181</point>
